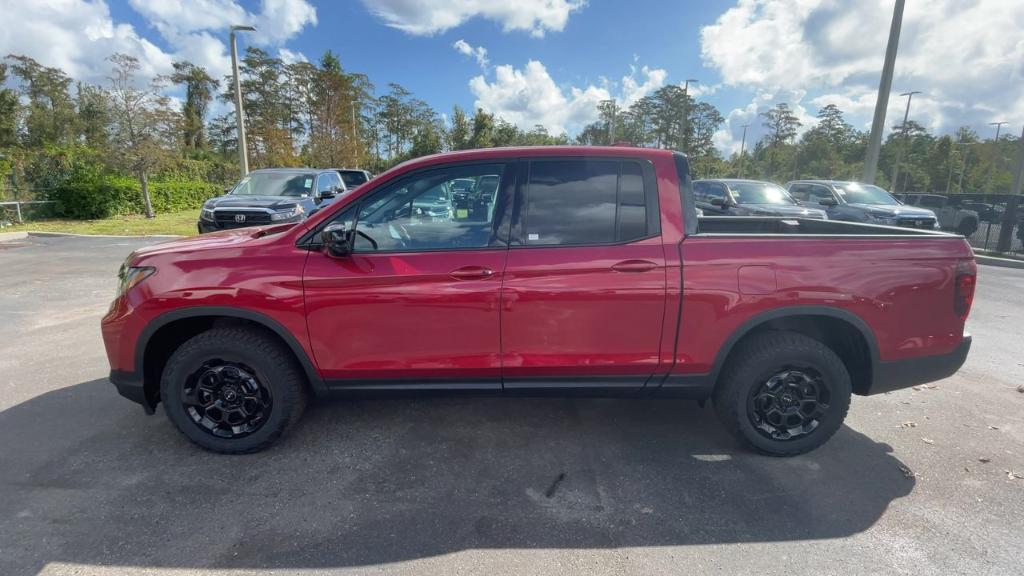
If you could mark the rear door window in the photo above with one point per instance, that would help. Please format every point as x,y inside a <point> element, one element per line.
<point>707,191</point>
<point>586,202</point>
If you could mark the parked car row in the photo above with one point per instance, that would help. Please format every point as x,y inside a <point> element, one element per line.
<point>278,195</point>
<point>283,195</point>
<point>840,200</point>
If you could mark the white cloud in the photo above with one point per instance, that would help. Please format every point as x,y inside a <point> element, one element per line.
<point>478,53</point>
<point>197,29</point>
<point>291,56</point>
<point>632,90</point>
<point>964,56</point>
<point>425,17</point>
<point>76,36</point>
<point>530,96</point>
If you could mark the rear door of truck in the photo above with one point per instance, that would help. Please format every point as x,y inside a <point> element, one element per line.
<point>584,292</point>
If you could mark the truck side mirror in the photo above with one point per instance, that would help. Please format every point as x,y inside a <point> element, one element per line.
<point>828,202</point>
<point>337,240</point>
<point>722,202</point>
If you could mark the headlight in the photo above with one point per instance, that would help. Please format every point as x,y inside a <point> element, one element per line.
<point>206,214</point>
<point>287,213</point>
<point>130,276</point>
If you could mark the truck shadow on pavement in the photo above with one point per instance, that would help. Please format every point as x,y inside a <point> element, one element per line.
<point>88,479</point>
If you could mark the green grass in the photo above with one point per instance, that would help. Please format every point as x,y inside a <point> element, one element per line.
<point>179,223</point>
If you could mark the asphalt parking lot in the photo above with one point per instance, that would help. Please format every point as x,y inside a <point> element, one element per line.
<point>917,482</point>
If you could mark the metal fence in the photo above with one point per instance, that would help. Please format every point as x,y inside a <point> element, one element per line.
<point>992,212</point>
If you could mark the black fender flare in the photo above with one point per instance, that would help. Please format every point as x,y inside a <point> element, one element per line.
<point>312,374</point>
<point>792,311</point>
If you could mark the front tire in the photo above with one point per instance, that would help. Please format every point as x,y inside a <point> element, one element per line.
<point>967,227</point>
<point>783,393</point>
<point>233,390</point>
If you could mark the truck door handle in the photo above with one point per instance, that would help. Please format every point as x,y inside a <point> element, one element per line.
<point>471,273</point>
<point>634,266</point>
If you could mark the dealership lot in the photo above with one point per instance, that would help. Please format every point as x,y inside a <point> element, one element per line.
<point>919,481</point>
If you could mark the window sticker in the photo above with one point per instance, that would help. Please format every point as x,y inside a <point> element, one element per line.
<point>532,237</point>
<point>308,183</point>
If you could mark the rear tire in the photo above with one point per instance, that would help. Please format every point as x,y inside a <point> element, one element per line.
<point>783,393</point>
<point>233,390</point>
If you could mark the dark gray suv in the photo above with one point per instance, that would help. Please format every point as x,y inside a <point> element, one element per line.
<point>856,202</point>
<point>736,197</point>
<point>271,196</point>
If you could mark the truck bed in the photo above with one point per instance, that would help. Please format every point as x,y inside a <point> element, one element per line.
<point>773,226</point>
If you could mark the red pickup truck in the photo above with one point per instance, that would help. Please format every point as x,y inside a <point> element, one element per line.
<point>538,270</point>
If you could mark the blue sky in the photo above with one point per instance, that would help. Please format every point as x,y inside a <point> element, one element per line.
<point>549,61</point>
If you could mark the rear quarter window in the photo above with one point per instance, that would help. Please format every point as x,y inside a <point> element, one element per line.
<point>586,202</point>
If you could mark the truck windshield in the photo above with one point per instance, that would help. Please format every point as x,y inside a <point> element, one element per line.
<point>855,193</point>
<point>295,184</point>
<point>352,178</point>
<point>760,193</point>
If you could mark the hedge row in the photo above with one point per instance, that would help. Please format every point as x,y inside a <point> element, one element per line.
<point>105,195</point>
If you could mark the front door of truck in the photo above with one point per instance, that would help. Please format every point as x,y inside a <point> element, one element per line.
<point>583,299</point>
<point>417,302</point>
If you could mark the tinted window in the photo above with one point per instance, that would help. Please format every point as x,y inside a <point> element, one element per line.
<point>705,191</point>
<point>575,202</point>
<point>856,193</point>
<point>418,213</point>
<point>275,184</point>
<point>759,193</point>
<point>352,178</point>
<point>327,181</point>
<point>930,202</point>
<point>809,192</point>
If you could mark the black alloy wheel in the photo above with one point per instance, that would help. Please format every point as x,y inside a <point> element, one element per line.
<point>226,399</point>
<point>789,404</point>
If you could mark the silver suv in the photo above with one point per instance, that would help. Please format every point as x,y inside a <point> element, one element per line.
<point>856,202</point>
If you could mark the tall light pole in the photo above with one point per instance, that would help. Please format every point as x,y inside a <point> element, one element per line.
<point>243,158</point>
<point>1012,206</point>
<point>1018,177</point>
<point>899,150</point>
<point>884,86</point>
<point>743,145</point>
<point>963,167</point>
<point>686,109</point>
<point>998,125</point>
<point>355,140</point>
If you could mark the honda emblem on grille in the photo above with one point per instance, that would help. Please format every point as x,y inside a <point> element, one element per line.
<point>239,218</point>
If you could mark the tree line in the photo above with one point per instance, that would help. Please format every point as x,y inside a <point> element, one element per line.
<point>54,129</point>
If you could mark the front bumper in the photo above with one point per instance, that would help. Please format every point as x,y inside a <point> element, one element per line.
<point>130,385</point>
<point>899,374</point>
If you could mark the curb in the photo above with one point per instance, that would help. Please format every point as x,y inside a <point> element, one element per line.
<point>60,234</point>
<point>9,236</point>
<point>1000,262</point>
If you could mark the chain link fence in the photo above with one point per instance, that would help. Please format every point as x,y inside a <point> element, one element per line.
<point>992,213</point>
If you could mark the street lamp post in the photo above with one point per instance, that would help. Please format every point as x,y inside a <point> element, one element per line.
<point>686,111</point>
<point>899,150</point>
<point>963,167</point>
<point>355,140</point>
<point>243,158</point>
<point>998,125</point>
<point>884,86</point>
<point>743,145</point>
<point>1010,220</point>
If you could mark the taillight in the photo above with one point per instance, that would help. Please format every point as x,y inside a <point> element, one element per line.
<point>963,296</point>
